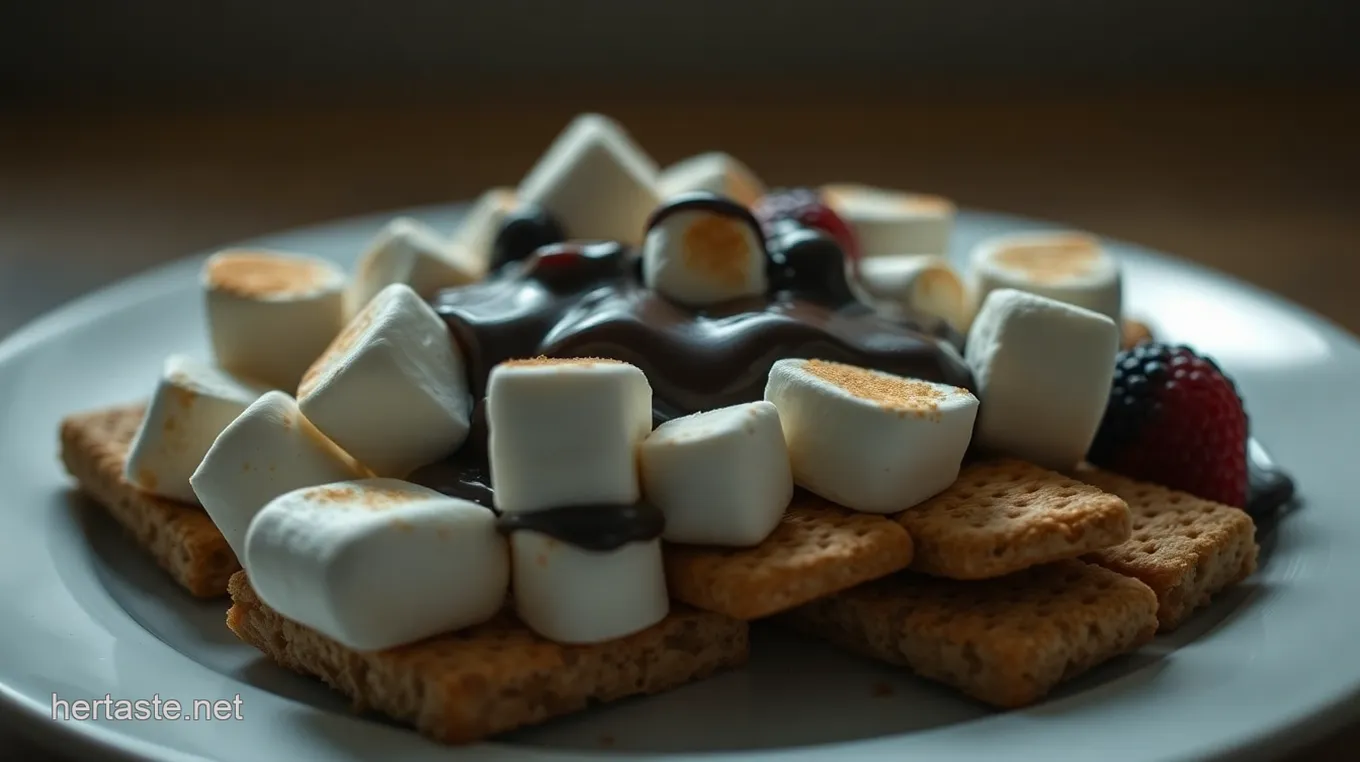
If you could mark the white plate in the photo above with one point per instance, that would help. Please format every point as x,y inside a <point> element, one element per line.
<point>84,614</point>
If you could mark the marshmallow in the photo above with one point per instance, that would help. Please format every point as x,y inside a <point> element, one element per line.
<point>892,222</point>
<point>377,563</point>
<point>1068,267</point>
<point>476,233</point>
<point>391,389</point>
<point>268,450</point>
<point>271,314</point>
<point>193,403</point>
<point>409,251</point>
<point>1043,370</point>
<point>915,286</point>
<point>571,595</point>
<point>871,441</point>
<point>721,477</point>
<point>565,432</point>
<point>698,257</point>
<point>713,172</point>
<point>595,181</point>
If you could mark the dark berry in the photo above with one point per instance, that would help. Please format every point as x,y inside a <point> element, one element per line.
<point>524,231</point>
<point>1173,418</point>
<point>808,264</point>
<point>574,263</point>
<point>806,207</point>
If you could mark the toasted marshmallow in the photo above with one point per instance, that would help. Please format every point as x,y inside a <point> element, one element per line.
<point>871,441</point>
<point>570,595</point>
<point>193,403</point>
<point>476,233</point>
<point>1068,267</point>
<point>1043,370</point>
<point>565,432</point>
<point>270,449</point>
<point>916,286</point>
<point>377,563</point>
<point>697,257</point>
<point>714,172</point>
<point>595,181</point>
<point>887,222</point>
<point>721,477</point>
<point>391,389</point>
<point>271,314</point>
<point>409,251</point>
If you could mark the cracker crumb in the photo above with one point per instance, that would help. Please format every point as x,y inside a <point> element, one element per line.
<point>1052,260</point>
<point>254,275</point>
<point>905,396</point>
<point>719,247</point>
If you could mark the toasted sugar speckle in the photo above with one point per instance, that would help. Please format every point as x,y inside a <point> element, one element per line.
<point>147,478</point>
<point>563,362</point>
<point>254,275</point>
<point>718,246</point>
<point>370,498</point>
<point>1051,260</point>
<point>906,396</point>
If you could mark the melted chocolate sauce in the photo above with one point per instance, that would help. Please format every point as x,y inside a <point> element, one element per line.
<point>591,527</point>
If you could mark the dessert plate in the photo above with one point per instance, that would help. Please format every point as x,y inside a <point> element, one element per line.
<point>86,615</point>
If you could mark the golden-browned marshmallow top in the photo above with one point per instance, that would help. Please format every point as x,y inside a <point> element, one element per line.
<point>906,395</point>
<point>719,247</point>
<point>258,275</point>
<point>1051,259</point>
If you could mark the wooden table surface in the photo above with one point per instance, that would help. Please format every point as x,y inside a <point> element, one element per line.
<point>1260,184</point>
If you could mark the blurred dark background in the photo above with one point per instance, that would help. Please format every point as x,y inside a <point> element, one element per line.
<point>133,132</point>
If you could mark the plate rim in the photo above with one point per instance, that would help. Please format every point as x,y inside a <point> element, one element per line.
<point>1295,730</point>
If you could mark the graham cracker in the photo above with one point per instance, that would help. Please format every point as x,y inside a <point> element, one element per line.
<point>1006,642</point>
<point>496,676</point>
<point>1004,515</point>
<point>818,549</point>
<point>1134,332</point>
<point>1185,548</point>
<point>180,536</point>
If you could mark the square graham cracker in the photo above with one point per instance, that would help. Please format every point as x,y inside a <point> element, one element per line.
<point>817,549</point>
<point>179,536</point>
<point>1006,642</point>
<point>1004,515</point>
<point>497,676</point>
<point>1185,548</point>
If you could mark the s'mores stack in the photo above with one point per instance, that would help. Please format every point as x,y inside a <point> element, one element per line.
<point>955,531</point>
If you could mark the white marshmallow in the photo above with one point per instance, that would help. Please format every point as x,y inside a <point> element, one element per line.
<point>409,251</point>
<point>565,432</point>
<point>697,257</point>
<point>1043,370</point>
<point>270,449</point>
<point>595,181</point>
<point>889,222</point>
<point>378,563</point>
<point>868,440</point>
<point>570,595</point>
<point>915,286</point>
<point>714,172</point>
<point>1068,267</point>
<point>478,229</point>
<point>721,477</point>
<point>271,314</point>
<point>391,390</point>
<point>193,403</point>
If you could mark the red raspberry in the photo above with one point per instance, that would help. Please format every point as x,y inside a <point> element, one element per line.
<point>805,206</point>
<point>1174,419</point>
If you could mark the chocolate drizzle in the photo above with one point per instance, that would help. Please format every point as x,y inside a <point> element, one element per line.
<point>599,528</point>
